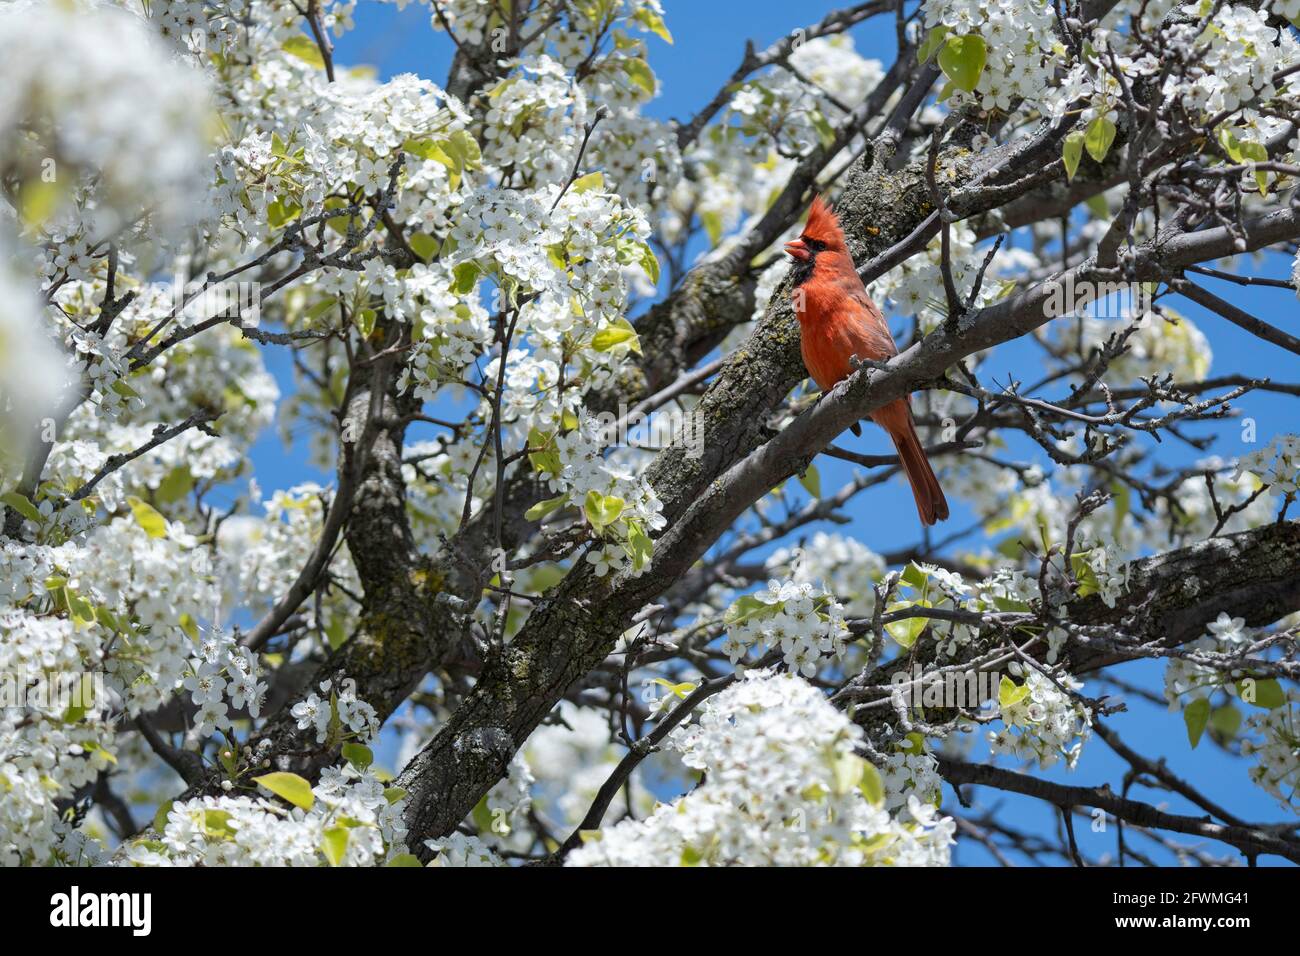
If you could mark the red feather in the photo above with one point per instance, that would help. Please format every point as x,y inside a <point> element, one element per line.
<point>837,321</point>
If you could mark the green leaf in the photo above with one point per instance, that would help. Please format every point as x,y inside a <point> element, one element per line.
<point>76,712</point>
<point>680,691</point>
<point>654,23</point>
<point>123,389</point>
<point>619,332</point>
<point>482,815</point>
<point>639,546</point>
<point>423,245</point>
<point>216,824</point>
<point>1072,152</point>
<point>913,576</point>
<point>280,213</point>
<point>404,859</point>
<point>546,456</point>
<point>305,49</point>
<point>913,744</point>
<point>83,612</point>
<point>1231,145</point>
<point>176,485</point>
<point>334,843</point>
<point>1084,574</point>
<point>962,60</point>
<point>602,510</point>
<point>160,817</point>
<point>543,508</point>
<point>907,630</point>
<point>639,72</point>
<point>1010,693</point>
<point>1265,693</point>
<point>822,127</point>
<point>458,152</point>
<point>650,263</point>
<point>336,632</point>
<point>393,794</point>
<point>712,223</point>
<point>1255,153</point>
<point>359,755</point>
<point>1010,604</point>
<point>464,277</point>
<point>933,40</point>
<point>154,524</point>
<point>872,785</point>
<point>189,626</point>
<point>1098,137</point>
<point>589,182</point>
<point>37,201</point>
<point>22,505</point>
<point>1226,721</point>
<point>290,787</point>
<point>747,606</point>
<point>811,481</point>
<point>365,321</point>
<point>464,149</point>
<point>846,771</point>
<point>428,149</point>
<point>1196,715</point>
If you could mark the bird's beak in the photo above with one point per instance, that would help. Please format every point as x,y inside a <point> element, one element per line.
<point>798,250</point>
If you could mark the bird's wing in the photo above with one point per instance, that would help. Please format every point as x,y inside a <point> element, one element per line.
<point>866,330</point>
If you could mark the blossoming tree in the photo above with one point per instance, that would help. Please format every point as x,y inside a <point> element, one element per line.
<point>502,631</point>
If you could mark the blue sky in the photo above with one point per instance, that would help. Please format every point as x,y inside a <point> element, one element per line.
<point>709,40</point>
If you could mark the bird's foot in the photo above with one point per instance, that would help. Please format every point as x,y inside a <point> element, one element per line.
<point>861,363</point>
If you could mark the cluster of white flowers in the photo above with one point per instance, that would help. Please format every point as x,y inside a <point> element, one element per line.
<point>1186,681</point>
<point>778,111</point>
<point>461,849</point>
<point>340,714</point>
<point>848,567</point>
<point>1162,344</point>
<point>802,621</point>
<point>916,286</point>
<point>1237,56</point>
<point>1277,767</point>
<point>119,603</point>
<point>1041,721</point>
<point>450,332</point>
<point>911,774</point>
<point>45,751</point>
<point>221,676</point>
<point>570,760</point>
<point>1190,686</point>
<point>99,122</point>
<point>1022,47</point>
<point>1277,464</point>
<point>33,374</point>
<point>263,557</point>
<point>351,819</point>
<point>784,787</point>
<point>739,165</point>
<point>620,505</point>
<point>535,118</point>
<point>220,371</point>
<point>347,145</point>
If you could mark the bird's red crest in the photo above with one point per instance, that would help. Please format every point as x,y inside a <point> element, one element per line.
<point>822,224</point>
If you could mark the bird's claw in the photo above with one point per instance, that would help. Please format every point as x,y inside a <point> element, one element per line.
<point>861,363</point>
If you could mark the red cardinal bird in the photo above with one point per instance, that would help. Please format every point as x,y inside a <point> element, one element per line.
<point>838,320</point>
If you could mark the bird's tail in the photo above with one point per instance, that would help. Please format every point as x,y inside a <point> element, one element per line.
<point>896,418</point>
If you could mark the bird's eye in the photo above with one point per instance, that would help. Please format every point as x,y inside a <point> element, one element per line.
<point>815,244</point>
